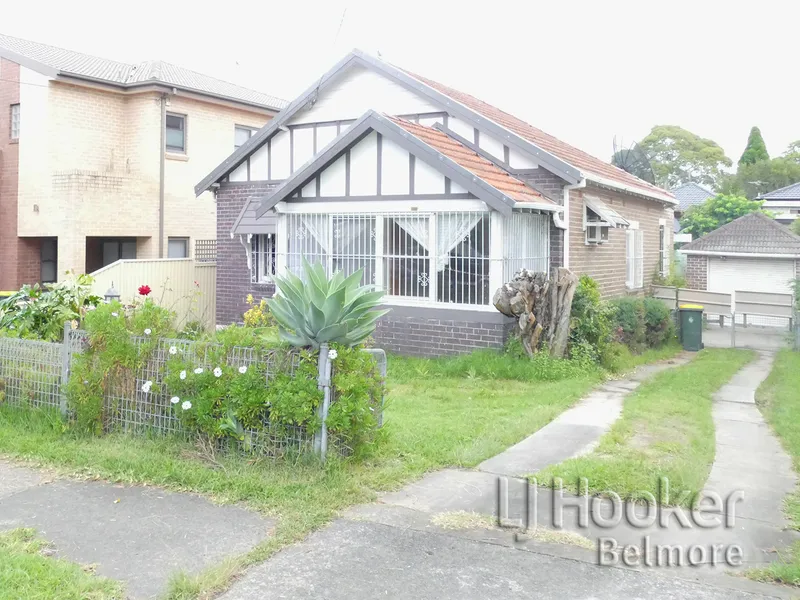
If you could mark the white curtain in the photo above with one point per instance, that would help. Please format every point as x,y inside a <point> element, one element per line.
<point>451,229</point>
<point>317,226</point>
<point>417,228</point>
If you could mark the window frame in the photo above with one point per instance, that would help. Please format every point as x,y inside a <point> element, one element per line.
<point>634,257</point>
<point>595,227</point>
<point>185,241</point>
<point>663,255</point>
<point>11,126</point>
<point>174,149</point>
<point>263,271</point>
<point>53,261</point>
<point>236,127</point>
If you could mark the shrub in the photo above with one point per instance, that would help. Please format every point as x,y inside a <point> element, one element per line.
<point>258,314</point>
<point>590,324</point>
<point>629,322</point>
<point>659,326</point>
<point>615,357</point>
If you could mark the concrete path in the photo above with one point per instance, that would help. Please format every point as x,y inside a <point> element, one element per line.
<point>138,535</point>
<point>754,337</point>
<point>577,430</point>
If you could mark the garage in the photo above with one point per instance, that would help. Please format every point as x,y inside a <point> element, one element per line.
<point>729,274</point>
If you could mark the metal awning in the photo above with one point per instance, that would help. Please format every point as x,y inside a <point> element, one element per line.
<point>607,214</point>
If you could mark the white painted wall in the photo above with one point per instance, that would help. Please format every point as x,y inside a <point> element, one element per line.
<point>462,128</point>
<point>303,146</point>
<point>332,180</point>
<point>394,171</point>
<point>279,155</point>
<point>364,167</point>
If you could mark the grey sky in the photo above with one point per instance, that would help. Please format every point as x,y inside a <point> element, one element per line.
<point>583,71</point>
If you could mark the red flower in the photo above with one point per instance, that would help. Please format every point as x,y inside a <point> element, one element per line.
<point>144,290</point>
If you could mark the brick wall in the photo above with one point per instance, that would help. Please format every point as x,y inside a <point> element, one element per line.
<point>696,272</point>
<point>10,244</point>
<point>551,186</point>
<point>606,262</point>
<point>233,276</point>
<point>437,331</point>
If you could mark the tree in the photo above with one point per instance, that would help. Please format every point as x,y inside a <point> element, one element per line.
<point>756,149</point>
<point>679,156</point>
<point>716,212</point>
<point>796,227</point>
<point>764,176</point>
<point>793,152</point>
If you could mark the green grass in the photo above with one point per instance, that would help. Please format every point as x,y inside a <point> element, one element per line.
<point>666,430</point>
<point>26,572</point>
<point>452,412</point>
<point>779,400</point>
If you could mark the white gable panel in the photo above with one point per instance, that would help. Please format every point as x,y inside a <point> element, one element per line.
<point>456,189</point>
<point>364,167</point>
<point>517,160</point>
<point>492,145</point>
<point>325,135</point>
<point>259,164</point>
<point>358,90</point>
<point>303,146</point>
<point>394,169</point>
<point>239,173</point>
<point>332,179</point>
<point>462,128</point>
<point>280,155</point>
<point>427,180</point>
<point>310,189</point>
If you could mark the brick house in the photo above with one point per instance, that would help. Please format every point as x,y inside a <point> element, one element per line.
<point>98,158</point>
<point>437,195</point>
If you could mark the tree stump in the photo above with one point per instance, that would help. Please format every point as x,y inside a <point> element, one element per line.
<point>541,306</point>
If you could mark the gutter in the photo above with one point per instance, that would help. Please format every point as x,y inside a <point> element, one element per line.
<point>739,254</point>
<point>162,153</point>
<point>581,184</point>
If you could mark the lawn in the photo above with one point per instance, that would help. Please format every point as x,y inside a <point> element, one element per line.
<point>779,400</point>
<point>440,413</point>
<point>26,571</point>
<point>666,430</point>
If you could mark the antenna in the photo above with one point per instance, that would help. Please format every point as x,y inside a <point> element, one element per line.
<point>633,160</point>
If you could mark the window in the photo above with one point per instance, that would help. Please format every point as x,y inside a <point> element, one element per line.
<point>634,258</point>
<point>526,244</point>
<point>663,255</point>
<point>14,129</point>
<point>114,250</point>
<point>49,260</point>
<point>178,248</point>
<point>241,134</point>
<point>263,257</point>
<point>596,228</point>
<point>176,133</point>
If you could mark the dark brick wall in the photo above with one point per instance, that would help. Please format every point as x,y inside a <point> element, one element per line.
<point>233,277</point>
<point>697,272</point>
<point>551,186</point>
<point>438,331</point>
<point>12,248</point>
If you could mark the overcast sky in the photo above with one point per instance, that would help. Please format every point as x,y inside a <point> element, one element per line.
<point>583,71</point>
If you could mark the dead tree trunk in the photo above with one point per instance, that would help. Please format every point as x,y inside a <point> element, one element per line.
<point>541,307</point>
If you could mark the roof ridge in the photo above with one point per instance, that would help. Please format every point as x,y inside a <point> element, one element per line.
<point>60,49</point>
<point>767,195</point>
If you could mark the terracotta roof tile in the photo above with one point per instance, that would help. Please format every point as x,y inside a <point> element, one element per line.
<point>474,163</point>
<point>575,157</point>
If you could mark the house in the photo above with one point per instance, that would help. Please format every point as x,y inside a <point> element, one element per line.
<point>438,196</point>
<point>784,203</point>
<point>98,158</point>
<point>754,253</point>
<point>688,195</point>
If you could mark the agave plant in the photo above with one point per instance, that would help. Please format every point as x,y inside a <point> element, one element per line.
<point>321,310</point>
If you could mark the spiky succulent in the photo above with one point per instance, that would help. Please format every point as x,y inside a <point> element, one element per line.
<point>321,310</point>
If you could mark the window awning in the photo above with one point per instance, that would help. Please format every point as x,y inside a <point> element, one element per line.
<point>605,212</point>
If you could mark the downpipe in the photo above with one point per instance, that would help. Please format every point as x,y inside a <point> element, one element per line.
<point>581,184</point>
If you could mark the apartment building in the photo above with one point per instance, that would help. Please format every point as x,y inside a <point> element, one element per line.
<point>98,159</point>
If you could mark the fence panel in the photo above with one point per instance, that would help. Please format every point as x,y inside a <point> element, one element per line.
<point>30,373</point>
<point>717,303</point>
<point>668,295</point>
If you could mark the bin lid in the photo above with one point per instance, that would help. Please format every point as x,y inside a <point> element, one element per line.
<point>691,306</point>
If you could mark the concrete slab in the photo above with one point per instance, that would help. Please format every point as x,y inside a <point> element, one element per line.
<point>755,338</point>
<point>738,411</point>
<point>14,479</point>
<point>138,535</point>
<point>368,560</point>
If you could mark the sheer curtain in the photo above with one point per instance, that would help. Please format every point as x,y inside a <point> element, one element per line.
<point>451,230</point>
<point>417,227</point>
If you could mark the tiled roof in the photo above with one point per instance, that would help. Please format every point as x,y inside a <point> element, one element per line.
<point>81,65</point>
<point>474,163</point>
<point>790,192</point>
<point>575,157</point>
<point>755,233</point>
<point>691,194</point>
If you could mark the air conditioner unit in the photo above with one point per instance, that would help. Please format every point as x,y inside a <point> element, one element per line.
<point>596,233</point>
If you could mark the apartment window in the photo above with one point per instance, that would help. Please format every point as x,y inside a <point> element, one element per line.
<point>49,260</point>
<point>263,247</point>
<point>178,248</point>
<point>634,258</point>
<point>176,133</point>
<point>114,250</point>
<point>241,134</point>
<point>14,122</point>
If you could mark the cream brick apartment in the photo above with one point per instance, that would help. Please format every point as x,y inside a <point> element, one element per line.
<point>98,158</point>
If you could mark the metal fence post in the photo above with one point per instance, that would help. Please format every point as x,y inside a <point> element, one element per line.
<point>324,384</point>
<point>733,330</point>
<point>65,360</point>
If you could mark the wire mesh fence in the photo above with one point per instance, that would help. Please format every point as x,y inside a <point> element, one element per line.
<point>34,374</point>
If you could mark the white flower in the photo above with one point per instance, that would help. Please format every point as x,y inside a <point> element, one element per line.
<point>198,370</point>
<point>243,369</point>
<point>148,331</point>
<point>183,374</point>
<point>186,405</point>
<point>332,354</point>
<point>114,315</point>
<point>146,386</point>
<point>174,399</point>
<point>173,350</point>
<point>217,372</point>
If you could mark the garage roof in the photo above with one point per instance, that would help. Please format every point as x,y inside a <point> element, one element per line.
<point>755,233</point>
